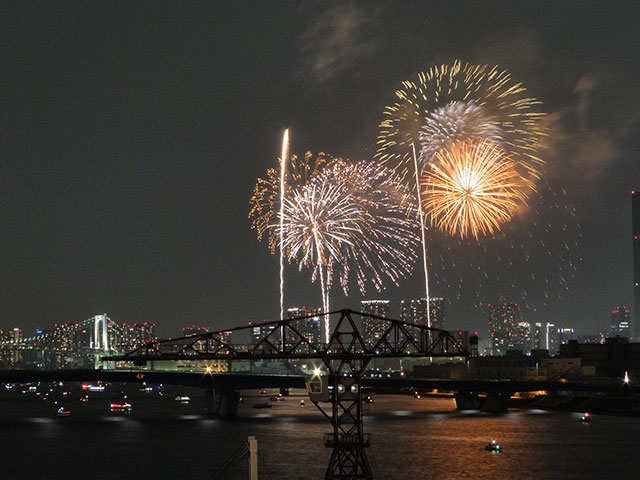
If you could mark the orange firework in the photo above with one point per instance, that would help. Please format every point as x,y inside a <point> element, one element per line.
<point>473,188</point>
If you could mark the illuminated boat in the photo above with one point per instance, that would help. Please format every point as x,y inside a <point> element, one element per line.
<point>493,447</point>
<point>63,412</point>
<point>586,418</point>
<point>120,407</point>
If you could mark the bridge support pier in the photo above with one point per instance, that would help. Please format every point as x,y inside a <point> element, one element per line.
<point>492,402</point>
<point>223,403</point>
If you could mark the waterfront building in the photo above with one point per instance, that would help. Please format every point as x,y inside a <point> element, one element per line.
<point>15,335</point>
<point>309,327</point>
<point>539,336</point>
<point>193,331</point>
<point>259,331</point>
<point>373,328</point>
<point>507,330</point>
<point>136,334</point>
<point>610,359</point>
<point>415,311</point>
<point>620,324</point>
<point>552,339</point>
<point>566,334</point>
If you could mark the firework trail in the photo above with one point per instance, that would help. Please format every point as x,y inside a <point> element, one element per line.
<point>283,167</point>
<point>425,268</point>
<point>473,188</point>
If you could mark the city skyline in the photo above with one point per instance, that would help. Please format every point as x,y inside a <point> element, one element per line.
<point>407,310</point>
<point>134,140</point>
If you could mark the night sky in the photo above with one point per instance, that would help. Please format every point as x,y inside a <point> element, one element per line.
<point>133,134</point>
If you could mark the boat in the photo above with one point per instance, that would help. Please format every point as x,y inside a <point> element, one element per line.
<point>120,407</point>
<point>183,399</point>
<point>63,412</point>
<point>493,447</point>
<point>586,418</point>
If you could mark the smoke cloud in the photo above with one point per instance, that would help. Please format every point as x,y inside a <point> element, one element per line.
<point>338,41</point>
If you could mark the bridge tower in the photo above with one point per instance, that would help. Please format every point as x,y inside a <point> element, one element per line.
<point>99,335</point>
<point>348,440</point>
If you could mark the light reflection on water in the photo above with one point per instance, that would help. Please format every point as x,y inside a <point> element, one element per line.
<point>410,439</point>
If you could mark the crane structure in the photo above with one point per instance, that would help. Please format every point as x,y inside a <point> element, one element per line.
<point>336,389</point>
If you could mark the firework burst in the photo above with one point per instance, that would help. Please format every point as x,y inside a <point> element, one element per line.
<point>265,202</point>
<point>472,188</point>
<point>344,220</point>
<point>452,103</point>
<point>384,248</point>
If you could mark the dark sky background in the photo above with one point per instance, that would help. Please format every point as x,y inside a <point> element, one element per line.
<point>133,133</point>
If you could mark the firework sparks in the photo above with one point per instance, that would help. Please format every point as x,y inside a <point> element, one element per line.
<point>472,189</point>
<point>265,202</point>
<point>452,103</point>
<point>458,121</point>
<point>350,220</point>
<point>319,223</point>
<point>385,245</point>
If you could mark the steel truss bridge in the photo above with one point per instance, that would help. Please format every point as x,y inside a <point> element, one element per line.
<point>345,358</point>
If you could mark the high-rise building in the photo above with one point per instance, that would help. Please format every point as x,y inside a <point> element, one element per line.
<point>15,335</point>
<point>523,337</point>
<point>309,327</point>
<point>373,328</point>
<point>415,311</point>
<point>620,325</point>
<point>557,336</point>
<point>566,334</point>
<point>539,337</point>
<point>507,330</point>
<point>260,331</point>
<point>552,339</point>
<point>136,334</point>
<point>635,212</point>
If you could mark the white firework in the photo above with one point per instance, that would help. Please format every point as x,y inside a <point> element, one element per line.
<point>455,122</point>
